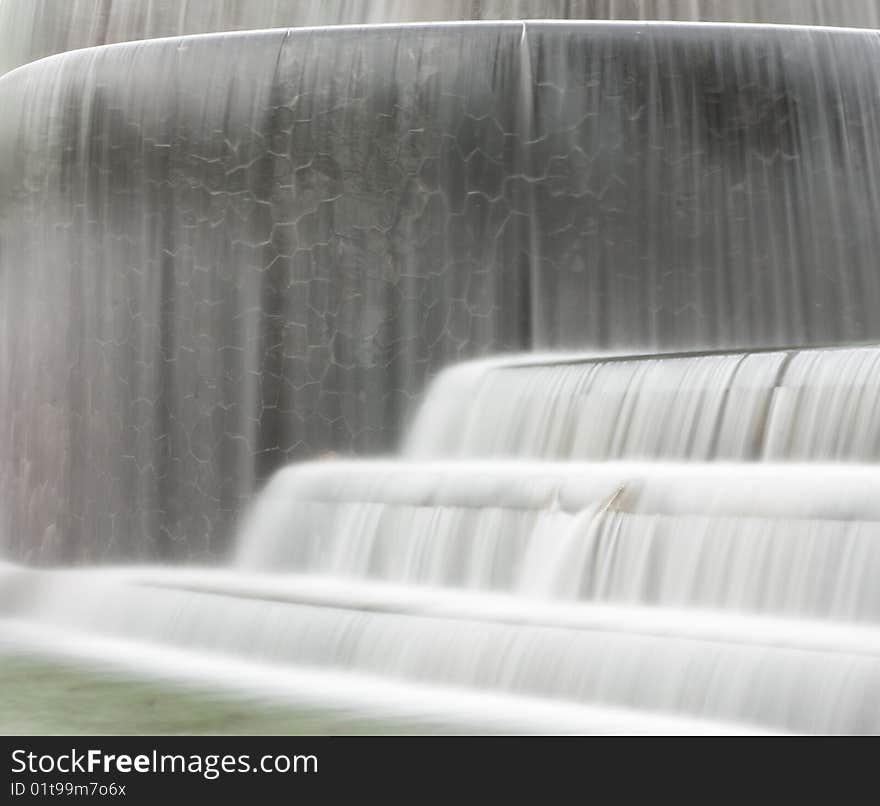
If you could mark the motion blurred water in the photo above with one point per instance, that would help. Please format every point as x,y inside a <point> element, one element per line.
<point>739,593</point>
<point>31,29</point>
<point>223,253</point>
<point>814,405</point>
<point>238,250</point>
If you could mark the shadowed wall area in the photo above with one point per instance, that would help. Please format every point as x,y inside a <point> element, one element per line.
<point>223,253</point>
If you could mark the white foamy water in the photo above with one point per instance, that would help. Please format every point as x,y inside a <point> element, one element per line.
<point>789,405</point>
<point>799,540</point>
<point>586,567</point>
<point>618,659</point>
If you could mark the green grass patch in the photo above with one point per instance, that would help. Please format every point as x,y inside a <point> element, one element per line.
<point>41,696</point>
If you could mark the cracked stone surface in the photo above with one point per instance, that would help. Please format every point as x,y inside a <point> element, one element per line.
<point>225,253</point>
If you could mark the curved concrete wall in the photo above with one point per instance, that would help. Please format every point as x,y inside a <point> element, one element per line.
<point>221,253</point>
<point>32,29</point>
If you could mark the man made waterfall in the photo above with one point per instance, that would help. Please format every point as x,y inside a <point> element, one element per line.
<point>222,253</point>
<point>598,301</point>
<point>726,595</point>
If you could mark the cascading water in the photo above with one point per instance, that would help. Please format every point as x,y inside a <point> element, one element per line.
<point>735,591</point>
<point>775,406</point>
<point>233,251</point>
<point>30,29</point>
<point>222,253</point>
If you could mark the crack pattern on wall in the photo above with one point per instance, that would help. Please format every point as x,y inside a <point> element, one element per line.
<point>225,253</point>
